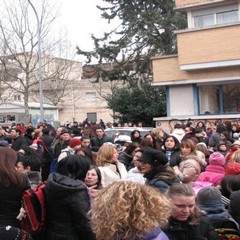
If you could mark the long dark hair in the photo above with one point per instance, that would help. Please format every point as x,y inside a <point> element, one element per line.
<point>8,172</point>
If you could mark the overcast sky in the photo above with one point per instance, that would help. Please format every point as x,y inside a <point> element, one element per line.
<point>81,19</point>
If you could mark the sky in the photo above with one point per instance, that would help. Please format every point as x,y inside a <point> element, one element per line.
<point>81,19</point>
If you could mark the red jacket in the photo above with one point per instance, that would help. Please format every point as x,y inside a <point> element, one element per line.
<point>232,168</point>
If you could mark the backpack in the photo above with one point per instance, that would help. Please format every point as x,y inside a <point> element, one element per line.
<point>33,202</point>
<point>226,229</point>
<point>54,163</point>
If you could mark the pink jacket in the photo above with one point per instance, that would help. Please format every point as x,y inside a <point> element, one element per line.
<point>213,174</point>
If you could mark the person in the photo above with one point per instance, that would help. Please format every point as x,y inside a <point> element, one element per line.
<point>214,172</point>
<point>85,142</point>
<point>152,138</point>
<point>189,169</point>
<point>68,201</point>
<point>178,131</point>
<point>234,206</point>
<point>99,140</point>
<point>30,166</point>
<point>209,201</point>
<point>12,186</point>
<point>171,148</point>
<point>19,141</point>
<point>160,136</point>
<point>157,173</point>
<point>229,184</point>
<point>110,167</point>
<point>135,174</point>
<point>186,220</point>
<point>233,165</point>
<point>93,178</point>
<point>222,148</point>
<point>130,211</point>
<point>202,147</point>
<point>215,137</point>
<point>13,233</point>
<point>136,136</point>
<point>74,144</point>
<point>126,157</point>
<point>190,134</point>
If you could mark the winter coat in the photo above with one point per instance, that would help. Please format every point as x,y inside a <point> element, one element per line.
<point>19,143</point>
<point>136,176</point>
<point>126,159</point>
<point>96,142</point>
<point>174,157</point>
<point>189,169</point>
<point>184,231</point>
<point>232,168</point>
<point>10,203</point>
<point>163,180</point>
<point>213,174</point>
<point>156,234</point>
<point>178,133</point>
<point>113,172</point>
<point>68,203</point>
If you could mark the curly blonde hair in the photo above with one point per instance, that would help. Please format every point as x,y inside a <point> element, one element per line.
<point>105,155</point>
<point>128,210</point>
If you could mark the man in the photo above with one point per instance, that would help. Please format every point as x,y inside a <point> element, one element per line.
<point>99,140</point>
<point>19,141</point>
<point>74,144</point>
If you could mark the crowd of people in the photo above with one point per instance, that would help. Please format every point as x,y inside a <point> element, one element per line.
<point>176,185</point>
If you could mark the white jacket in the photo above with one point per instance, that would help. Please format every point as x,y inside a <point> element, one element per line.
<point>110,174</point>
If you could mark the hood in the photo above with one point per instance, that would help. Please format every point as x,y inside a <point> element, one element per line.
<point>60,186</point>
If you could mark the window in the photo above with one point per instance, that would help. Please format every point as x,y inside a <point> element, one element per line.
<point>217,15</point>
<point>17,97</point>
<point>90,96</point>
<point>219,99</point>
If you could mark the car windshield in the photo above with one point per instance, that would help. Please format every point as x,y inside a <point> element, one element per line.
<point>110,132</point>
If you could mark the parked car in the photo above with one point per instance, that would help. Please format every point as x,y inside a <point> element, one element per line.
<point>110,132</point>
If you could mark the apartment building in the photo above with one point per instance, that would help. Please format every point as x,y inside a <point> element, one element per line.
<point>202,80</point>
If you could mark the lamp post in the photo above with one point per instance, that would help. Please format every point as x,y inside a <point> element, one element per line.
<point>39,62</point>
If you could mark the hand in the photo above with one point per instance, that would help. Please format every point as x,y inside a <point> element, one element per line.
<point>22,214</point>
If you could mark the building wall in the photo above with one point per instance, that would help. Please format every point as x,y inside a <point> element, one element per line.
<point>166,69</point>
<point>181,100</point>
<point>182,3</point>
<point>209,45</point>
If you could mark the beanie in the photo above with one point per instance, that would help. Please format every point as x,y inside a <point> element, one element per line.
<point>217,158</point>
<point>237,142</point>
<point>12,233</point>
<point>74,142</point>
<point>154,157</point>
<point>208,194</point>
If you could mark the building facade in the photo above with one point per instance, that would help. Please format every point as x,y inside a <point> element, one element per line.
<point>202,81</point>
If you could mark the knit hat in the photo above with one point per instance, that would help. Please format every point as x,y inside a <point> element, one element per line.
<point>153,157</point>
<point>74,142</point>
<point>12,233</point>
<point>208,194</point>
<point>237,142</point>
<point>217,158</point>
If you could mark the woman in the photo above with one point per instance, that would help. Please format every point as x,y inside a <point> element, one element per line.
<point>229,184</point>
<point>187,221</point>
<point>110,167</point>
<point>160,136</point>
<point>158,174</point>
<point>136,136</point>
<point>129,211</point>
<point>12,186</point>
<point>126,157</point>
<point>233,165</point>
<point>152,138</point>
<point>171,148</point>
<point>93,178</point>
<point>68,201</point>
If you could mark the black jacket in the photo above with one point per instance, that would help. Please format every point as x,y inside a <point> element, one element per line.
<point>19,142</point>
<point>184,231</point>
<point>67,204</point>
<point>10,203</point>
<point>96,143</point>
